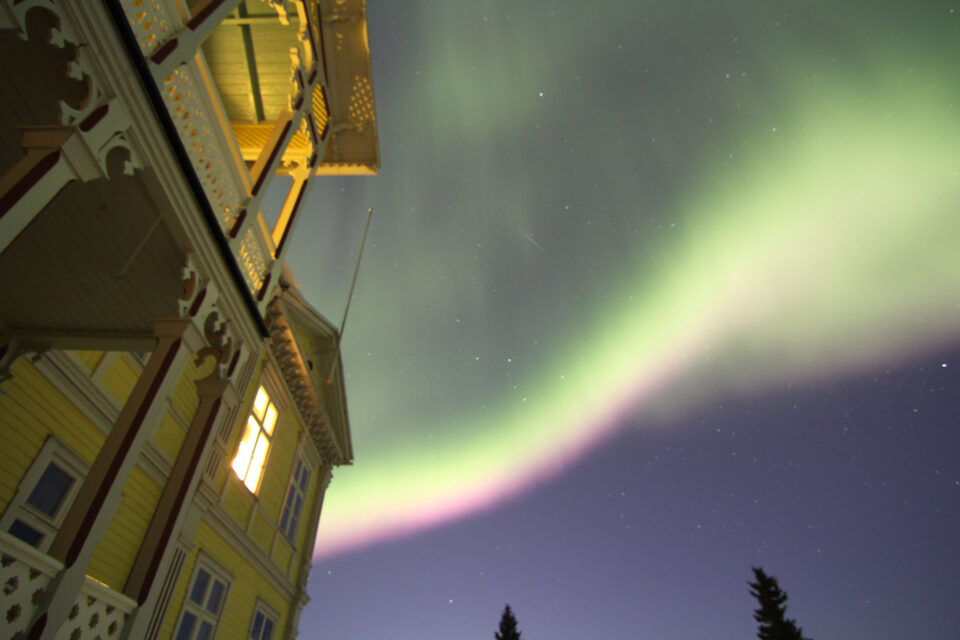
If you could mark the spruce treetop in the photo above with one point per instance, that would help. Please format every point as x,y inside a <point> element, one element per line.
<point>508,626</point>
<point>774,624</point>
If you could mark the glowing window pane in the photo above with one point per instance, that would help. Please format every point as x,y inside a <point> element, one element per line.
<point>260,403</point>
<point>254,446</point>
<point>256,464</point>
<point>270,419</point>
<point>241,463</point>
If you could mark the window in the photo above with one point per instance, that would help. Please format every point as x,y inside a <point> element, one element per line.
<point>255,443</point>
<point>296,496</point>
<point>264,623</point>
<point>44,495</point>
<point>205,599</point>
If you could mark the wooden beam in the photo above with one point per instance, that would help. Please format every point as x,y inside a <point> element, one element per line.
<point>247,36</point>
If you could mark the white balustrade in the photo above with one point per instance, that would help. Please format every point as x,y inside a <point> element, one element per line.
<point>25,573</point>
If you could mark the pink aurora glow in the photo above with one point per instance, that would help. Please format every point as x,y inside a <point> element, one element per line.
<point>583,435</point>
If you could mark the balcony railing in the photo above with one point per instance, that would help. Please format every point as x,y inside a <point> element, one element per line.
<point>26,573</point>
<point>169,38</point>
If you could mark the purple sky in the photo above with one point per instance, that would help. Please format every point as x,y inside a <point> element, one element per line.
<point>539,161</point>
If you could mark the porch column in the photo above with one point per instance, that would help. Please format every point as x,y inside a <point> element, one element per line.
<point>101,492</point>
<point>153,561</point>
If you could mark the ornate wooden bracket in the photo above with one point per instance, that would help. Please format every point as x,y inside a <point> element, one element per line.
<point>199,302</point>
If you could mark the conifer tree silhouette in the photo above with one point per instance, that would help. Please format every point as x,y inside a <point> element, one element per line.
<point>771,615</point>
<point>508,626</point>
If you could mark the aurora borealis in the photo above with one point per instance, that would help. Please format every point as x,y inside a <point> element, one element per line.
<point>608,216</point>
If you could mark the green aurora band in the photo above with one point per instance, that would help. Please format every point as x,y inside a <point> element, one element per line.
<point>823,242</point>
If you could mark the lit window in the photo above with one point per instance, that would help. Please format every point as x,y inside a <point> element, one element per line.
<point>264,623</point>
<point>255,443</point>
<point>201,609</point>
<point>296,496</point>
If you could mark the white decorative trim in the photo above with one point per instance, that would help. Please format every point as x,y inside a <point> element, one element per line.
<point>288,357</point>
<point>25,574</point>
<point>108,596</point>
<point>23,552</point>
<point>65,371</point>
<point>155,463</point>
<point>225,526</point>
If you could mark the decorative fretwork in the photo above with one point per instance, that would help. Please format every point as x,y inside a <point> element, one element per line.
<point>296,374</point>
<point>200,302</point>
<point>24,574</point>
<point>361,101</point>
<point>149,22</point>
<point>99,612</point>
<point>321,115</point>
<point>253,263</point>
<point>197,135</point>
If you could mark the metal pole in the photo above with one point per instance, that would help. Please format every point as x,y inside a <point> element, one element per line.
<point>346,310</point>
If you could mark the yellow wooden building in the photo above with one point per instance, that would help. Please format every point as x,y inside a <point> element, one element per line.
<point>171,407</point>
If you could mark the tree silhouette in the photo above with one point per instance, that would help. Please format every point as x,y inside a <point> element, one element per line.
<point>508,626</point>
<point>771,615</point>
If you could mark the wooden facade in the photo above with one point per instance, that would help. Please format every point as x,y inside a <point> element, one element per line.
<point>171,407</point>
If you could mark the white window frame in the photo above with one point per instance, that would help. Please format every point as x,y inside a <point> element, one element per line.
<point>262,433</point>
<point>268,613</point>
<point>199,611</point>
<point>53,451</point>
<point>293,488</point>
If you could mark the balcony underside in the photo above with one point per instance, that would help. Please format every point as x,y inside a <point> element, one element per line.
<point>99,257</point>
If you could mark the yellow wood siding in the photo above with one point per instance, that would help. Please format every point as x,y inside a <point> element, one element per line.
<point>238,501</point>
<point>262,531</point>
<point>117,550</point>
<point>90,358</point>
<point>169,436</point>
<point>248,585</point>
<point>31,409</point>
<point>120,378</point>
<point>282,552</point>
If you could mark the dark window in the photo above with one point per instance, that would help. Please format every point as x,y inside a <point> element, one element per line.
<point>186,626</point>
<point>20,529</point>
<point>293,504</point>
<point>216,594</point>
<point>262,628</point>
<point>51,489</point>
<point>200,586</point>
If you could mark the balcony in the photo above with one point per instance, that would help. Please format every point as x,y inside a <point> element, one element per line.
<point>99,612</point>
<point>247,85</point>
<point>172,122</point>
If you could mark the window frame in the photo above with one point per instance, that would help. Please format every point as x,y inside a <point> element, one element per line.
<point>199,611</point>
<point>52,452</point>
<point>294,486</point>
<point>267,436</point>
<point>268,613</point>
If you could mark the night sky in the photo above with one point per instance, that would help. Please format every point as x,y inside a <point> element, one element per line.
<point>653,293</point>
